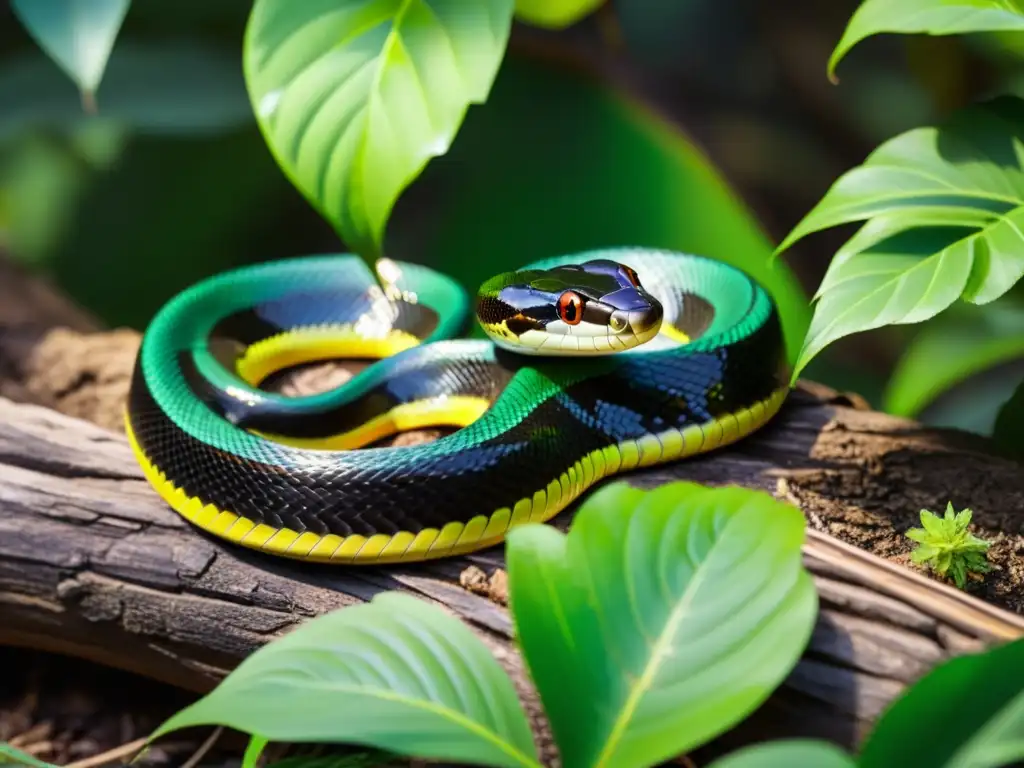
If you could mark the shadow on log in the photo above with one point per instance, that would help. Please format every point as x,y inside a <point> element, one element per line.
<point>93,564</point>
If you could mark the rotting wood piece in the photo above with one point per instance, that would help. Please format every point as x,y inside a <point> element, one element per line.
<point>94,565</point>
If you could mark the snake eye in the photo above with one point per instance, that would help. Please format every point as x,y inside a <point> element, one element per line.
<point>631,276</point>
<point>570,308</point>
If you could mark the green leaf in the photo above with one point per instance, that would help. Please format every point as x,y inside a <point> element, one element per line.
<point>1009,428</point>
<point>938,226</point>
<point>254,750</point>
<point>932,523</point>
<point>13,756</point>
<point>975,560</point>
<point>967,712</point>
<point>923,553</point>
<point>789,753</point>
<point>913,259</point>
<point>355,98</point>
<point>933,17</point>
<point>602,141</point>
<point>555,14</point>
<point>917,534</point>
<point>662,619</point>
<point>947,352</point>
<point>77,34</point>
<point>396,674</point>
<point>958,572</point>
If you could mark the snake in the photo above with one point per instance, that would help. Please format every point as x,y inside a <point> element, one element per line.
<point>589,365</point>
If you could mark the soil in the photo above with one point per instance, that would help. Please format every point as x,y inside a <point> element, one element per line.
<point>873,522</point>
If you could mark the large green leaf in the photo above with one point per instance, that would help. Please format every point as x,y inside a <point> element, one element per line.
<point>555,14</point>
<point>933,17</point>
<point>77,34</point>
<point>355,98</point>
<point>967,712</point>
<point>580,166</point>
<point>396,674</point>
<point>1008,431</point>
<point>945,212</point>
<point>789,753</point>
<point>948,350</point>
<point>662,619</point>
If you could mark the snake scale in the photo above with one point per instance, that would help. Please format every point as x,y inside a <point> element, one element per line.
<point>592,364</point>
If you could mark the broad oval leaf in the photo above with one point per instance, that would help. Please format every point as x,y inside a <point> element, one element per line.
<point>979,701</point>
<point>354,98</point>
<point>396,674</point>
<point>555,14</point>
<point>945,220</point>
<point>77,34</point>
<point>662,619</point>
<point>787,753</point>
<point>933,17</point>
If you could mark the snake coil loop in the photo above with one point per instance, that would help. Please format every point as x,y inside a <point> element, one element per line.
<point>594,364</point>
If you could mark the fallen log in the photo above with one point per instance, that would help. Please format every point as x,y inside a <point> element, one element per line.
<point>94,565</point>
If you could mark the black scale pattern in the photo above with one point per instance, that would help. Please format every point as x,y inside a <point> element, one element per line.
<point>362,494</point>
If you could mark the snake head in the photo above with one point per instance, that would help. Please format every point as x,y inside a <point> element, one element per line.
<point>595,308</point>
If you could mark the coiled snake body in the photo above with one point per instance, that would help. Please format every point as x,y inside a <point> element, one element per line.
<point>596,363</point>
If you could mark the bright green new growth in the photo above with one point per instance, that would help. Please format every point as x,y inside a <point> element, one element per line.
<point>947,547</point>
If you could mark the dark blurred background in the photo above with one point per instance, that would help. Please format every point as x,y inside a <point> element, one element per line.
<point>703,125</point>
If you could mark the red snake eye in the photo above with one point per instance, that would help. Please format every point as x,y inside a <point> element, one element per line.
<point>570,308</point>
<point>631,276</point>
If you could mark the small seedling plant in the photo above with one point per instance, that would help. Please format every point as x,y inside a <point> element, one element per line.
<point>945,546</point>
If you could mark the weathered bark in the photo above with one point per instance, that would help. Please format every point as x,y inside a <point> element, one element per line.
<point>93,564</point>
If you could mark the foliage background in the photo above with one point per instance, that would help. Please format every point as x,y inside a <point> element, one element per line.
<point>701,125</point>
